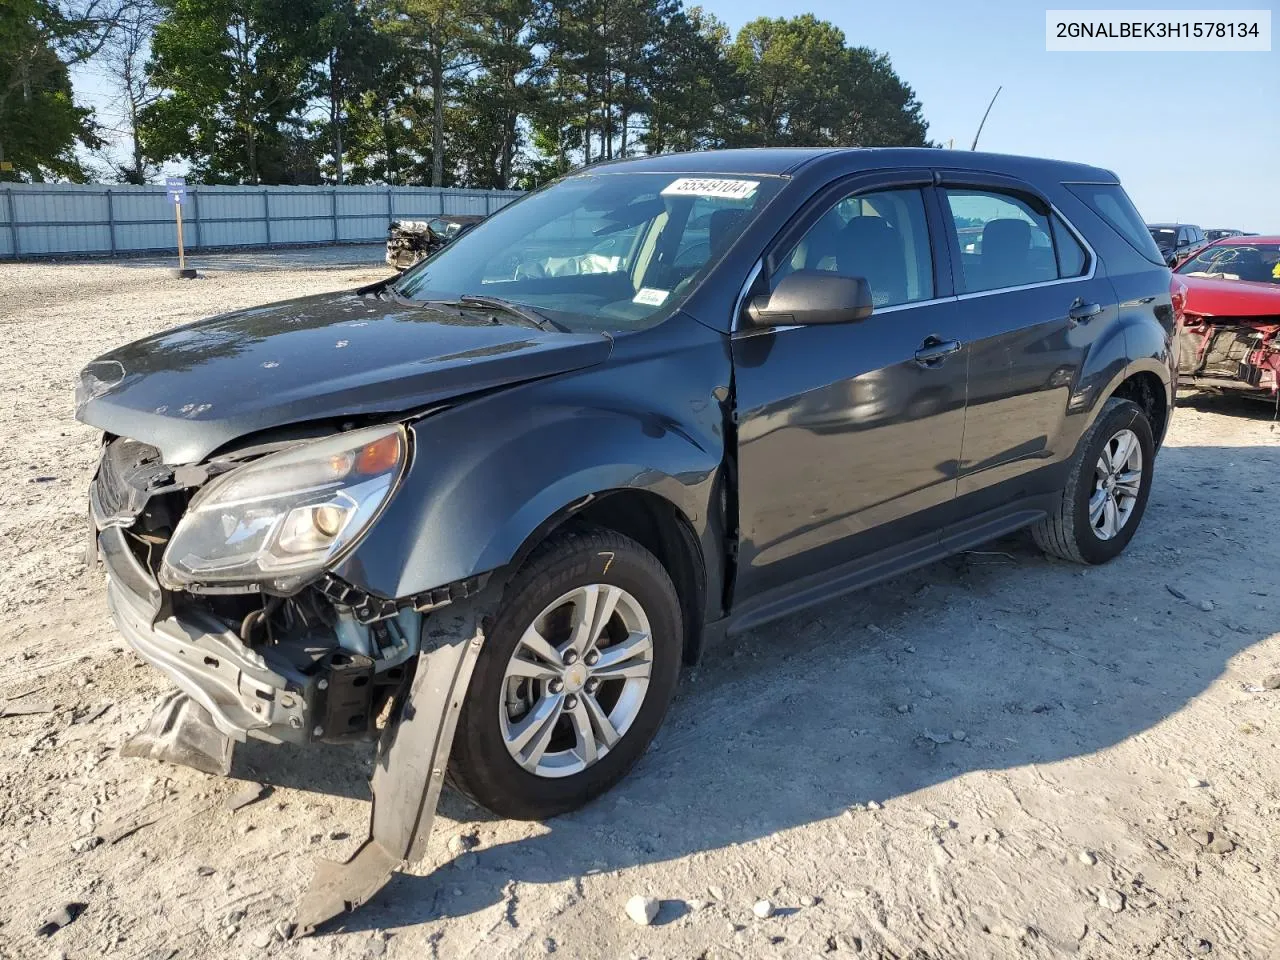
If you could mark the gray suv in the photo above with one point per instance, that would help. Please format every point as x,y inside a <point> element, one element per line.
<point>484,511</point>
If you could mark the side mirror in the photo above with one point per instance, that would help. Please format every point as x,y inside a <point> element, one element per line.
<point>812,296</point>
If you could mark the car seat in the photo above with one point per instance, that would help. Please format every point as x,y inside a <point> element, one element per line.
<point>1006,255</point>
<point>873,248</point>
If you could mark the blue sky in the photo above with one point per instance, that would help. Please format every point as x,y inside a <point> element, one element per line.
<point>1182,152</point>
<point>1193,136</point>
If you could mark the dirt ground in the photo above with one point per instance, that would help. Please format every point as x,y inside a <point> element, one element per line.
<point>998,756</point>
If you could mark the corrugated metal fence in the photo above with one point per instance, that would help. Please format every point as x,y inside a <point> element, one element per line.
<point>53,219</point>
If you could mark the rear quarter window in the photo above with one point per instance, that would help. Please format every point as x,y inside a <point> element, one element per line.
<point>1112,204</point>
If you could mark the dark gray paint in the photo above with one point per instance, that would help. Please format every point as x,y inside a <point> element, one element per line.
<point>646,420</point>
<point>195,388</point>
<point>849,460</point>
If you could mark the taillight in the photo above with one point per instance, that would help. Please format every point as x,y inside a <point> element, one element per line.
<point>1178,294</point>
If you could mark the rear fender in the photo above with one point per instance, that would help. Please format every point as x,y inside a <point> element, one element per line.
<point>1141,340</point>
<point>1103,367</point>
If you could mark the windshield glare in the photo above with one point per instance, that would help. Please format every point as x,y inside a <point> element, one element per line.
<point>1251,262</point>
<point>1164,235</point>
<point>605,251</point>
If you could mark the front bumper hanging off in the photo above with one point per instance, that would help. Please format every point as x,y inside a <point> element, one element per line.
<point>228,691</point>
<point>413,755</point>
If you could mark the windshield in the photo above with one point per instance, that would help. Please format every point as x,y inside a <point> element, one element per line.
<point>602,251</point>
<point>1164,236</point>
<point>1251,262</point>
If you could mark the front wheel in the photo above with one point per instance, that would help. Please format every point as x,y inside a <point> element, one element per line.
<point>1107,489</point>
<point>574,678</point>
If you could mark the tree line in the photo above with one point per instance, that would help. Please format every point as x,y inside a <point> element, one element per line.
<point>479,93</point>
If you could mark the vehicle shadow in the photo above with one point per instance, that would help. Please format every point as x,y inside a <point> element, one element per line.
<point>1230,405</point>
<point>336,770</point>
<point>991,660</point>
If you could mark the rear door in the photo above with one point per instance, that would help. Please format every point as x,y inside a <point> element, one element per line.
<point>849,435</point>
<point>1033,302</point>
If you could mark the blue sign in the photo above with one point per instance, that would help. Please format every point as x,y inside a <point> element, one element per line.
<point>177,188</point>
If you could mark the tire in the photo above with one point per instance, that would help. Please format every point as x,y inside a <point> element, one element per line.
<point>481,765</point>
<point>1069,532</point>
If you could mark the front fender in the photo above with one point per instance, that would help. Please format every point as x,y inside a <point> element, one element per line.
<point>487,474</point>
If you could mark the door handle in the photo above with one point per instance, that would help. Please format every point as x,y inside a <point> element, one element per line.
<point>934,350</point>
<point>1082,312</point>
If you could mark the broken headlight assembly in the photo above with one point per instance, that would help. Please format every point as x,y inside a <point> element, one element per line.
<point>277,523</point>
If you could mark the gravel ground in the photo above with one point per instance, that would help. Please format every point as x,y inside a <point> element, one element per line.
<point>998,756</point>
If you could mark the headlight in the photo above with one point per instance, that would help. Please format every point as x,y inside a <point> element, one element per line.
<point>281,520</point>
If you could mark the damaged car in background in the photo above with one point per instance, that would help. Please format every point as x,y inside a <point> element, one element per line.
<point>409,241</point>
<point>1230,337</point>
<point>483,512</point>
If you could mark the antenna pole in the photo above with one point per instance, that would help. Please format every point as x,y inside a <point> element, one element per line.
<point>984,117</point>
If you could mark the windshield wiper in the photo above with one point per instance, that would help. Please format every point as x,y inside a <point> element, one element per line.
<point>389,292</point>
<point>525,313</point>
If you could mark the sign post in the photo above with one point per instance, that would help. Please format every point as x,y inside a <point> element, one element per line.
<point>177,189</point>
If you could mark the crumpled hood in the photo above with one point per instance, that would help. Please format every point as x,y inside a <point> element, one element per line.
<point>192,389</point>
<point>1212,297</point>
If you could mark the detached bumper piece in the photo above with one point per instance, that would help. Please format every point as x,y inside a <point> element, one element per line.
<point>413,755</point>
<point>182,732</point>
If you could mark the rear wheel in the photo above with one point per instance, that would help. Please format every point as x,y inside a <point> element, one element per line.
<point>574,678</point>
<point>1107,489</point>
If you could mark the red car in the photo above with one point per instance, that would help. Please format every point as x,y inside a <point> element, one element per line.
<point>1230,337</point>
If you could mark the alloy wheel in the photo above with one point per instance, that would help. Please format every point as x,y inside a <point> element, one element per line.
<point>576,681</point>
<point>1117,478</point>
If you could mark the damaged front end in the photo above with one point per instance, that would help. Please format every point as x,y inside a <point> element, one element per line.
<point>409,241</point>
<point>1236,354</point>
<point>218,574</point>
<point>413,756</point>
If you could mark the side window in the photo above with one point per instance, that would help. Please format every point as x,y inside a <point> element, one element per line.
<point>881,236</point>
<point>1073,261</point>
<point>1006,242</point>
<point>1112,204</point>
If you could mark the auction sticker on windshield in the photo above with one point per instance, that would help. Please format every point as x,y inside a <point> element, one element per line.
<point>710,187</point>
<point>650,296</point>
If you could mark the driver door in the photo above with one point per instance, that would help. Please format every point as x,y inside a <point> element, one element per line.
<point>849,434</point>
